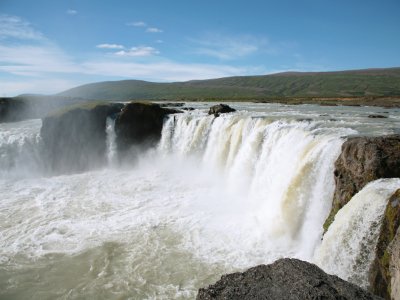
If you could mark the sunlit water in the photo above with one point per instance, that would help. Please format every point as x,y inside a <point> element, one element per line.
<point>215,196</point>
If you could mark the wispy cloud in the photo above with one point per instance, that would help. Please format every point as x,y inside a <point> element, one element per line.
<point>154,30</point>
<point>72,12</point>
<point>35,64</point>
<point>110,46</point>
<point>16,28</point>
<point>228,47</point>
<point>138,51</point>
<point>137,24</point>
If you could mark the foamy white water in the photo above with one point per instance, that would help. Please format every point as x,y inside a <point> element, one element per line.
<point>348,247</point>
<point>217,195</point>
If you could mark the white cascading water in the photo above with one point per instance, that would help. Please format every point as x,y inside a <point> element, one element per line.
<point>348,247</point>
<point>111,145</point>
<point>278,172</point>
<point>218,195</point>
<point>20,148</point>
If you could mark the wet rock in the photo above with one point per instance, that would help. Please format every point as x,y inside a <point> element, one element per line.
<point>172,104</point>
<point>381,274</point>
<point>284,279</point>
<point>139,124</point>
<point>377,117</point>
<point>218,109</point>
<point>12,110</point>
<point>74,138</point>
<point>363,159</point>
<point>394,267</point>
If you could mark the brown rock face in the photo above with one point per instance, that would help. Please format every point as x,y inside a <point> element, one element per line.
<point>363,159</point>
<point>140,124</point>
<point>284,279</point>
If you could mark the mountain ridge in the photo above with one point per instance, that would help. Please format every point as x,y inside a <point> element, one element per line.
<point>377,82</point>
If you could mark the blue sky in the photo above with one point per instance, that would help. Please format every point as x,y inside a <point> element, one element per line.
<point>47,46</point>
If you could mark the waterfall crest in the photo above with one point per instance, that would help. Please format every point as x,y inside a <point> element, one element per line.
<point>348,247</point>
<point>282,171</point>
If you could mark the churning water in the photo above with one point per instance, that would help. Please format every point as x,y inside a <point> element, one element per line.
<point>215,196</point>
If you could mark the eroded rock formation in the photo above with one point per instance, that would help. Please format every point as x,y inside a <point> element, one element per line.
<point>363,159</point>
<point>74,138</point>
<point>140,124</point>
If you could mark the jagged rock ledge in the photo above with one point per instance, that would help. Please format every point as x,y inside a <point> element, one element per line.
<point>362,160</point>
<point>284,279</point>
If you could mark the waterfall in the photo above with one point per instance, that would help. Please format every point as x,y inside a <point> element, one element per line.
<point>111,151</point>
<point>348,247</point>
<point>20,148</point>
<point>280,170</point>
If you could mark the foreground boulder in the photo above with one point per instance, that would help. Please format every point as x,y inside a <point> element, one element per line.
<point>218,109</point>
<point>284,279</point>
<point>384,278</point>
<point>140,124</point>
<point>363,159</point>
<point>74,139</point>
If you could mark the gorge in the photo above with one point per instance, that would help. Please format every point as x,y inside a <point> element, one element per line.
<point>94,206</point>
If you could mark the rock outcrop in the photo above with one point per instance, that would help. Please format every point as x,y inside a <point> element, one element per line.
<point>284,279</point>
<point>394,267</point>
<point>381,273</point>
<point>363,159</point>
<point>218,109</point>
<point>74,139</point>
<point>140,124</point>
<point>12,110</point>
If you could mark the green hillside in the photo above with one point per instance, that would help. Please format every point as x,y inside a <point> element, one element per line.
<point>357,83</point>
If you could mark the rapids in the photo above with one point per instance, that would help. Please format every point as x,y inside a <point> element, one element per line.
<point>215,196</point>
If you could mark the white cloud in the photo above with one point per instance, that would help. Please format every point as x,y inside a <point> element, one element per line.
<point>137,24</point>
<point>165,70</point>
<point>110,46</point>
<point>154,30</point>
<point>72,12</point>
<point>15,27</point>
<point>229,48</point>
<point>138,51</point>
<point>35,65</point>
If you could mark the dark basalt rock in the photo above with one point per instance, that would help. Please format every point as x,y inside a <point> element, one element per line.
<point>380,272</point>
<point>74,138</point>
<point>363,159</point>
<point>139,124</point>
<point>218,109</point>
<point>12,110</point>
<point>377,117</point>
<point>288,279</point>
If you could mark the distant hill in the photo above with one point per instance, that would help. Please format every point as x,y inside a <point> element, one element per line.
<point>341,84</point>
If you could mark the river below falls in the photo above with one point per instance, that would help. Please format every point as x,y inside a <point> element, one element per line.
<point>215,196</point>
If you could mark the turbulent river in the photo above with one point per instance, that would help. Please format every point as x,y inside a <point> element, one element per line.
<point>216,195</point>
